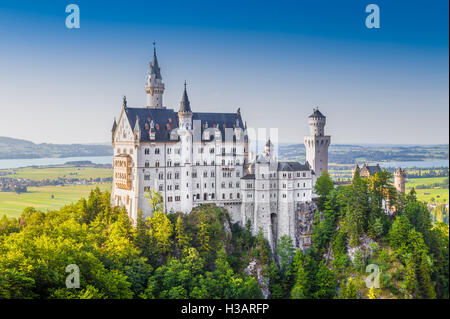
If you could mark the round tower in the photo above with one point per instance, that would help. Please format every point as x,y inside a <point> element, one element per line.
<point>154,87</point>
<point>317,143</point>
<point>399,180</point>
<point>317,123</point>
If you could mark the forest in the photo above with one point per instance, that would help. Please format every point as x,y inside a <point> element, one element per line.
<point>204,255</point>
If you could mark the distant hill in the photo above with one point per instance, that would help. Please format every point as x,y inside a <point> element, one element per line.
<point>12,148</point>
<point>352,153</point>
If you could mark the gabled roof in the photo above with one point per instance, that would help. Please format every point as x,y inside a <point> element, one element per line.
<point>159,116</point>
<point>163,126</point>
<point>373,169</point>
<point>221,121</point>
<point>292,166</point>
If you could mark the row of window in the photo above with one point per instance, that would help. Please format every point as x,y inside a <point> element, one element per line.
<point>285,175</point>
<point>194,175</point>
<point>198,197</point>
<point>178,151</point>
<point>230,185</point>
<point>124,151</point>
<point>212,150</point>
<point>250,195</point>
<point>205,163</point>
<point>274,185</point>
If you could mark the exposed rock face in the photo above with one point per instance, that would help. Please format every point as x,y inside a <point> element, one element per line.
<point>254,269</point>
<point>305,219</point>
<point>365,248</point>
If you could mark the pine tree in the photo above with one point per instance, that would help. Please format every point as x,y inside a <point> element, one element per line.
<point>324,185</point>
<point>182,239</point>
<point>349,290</point>
<point>141,235</point>
<point>203,237</point>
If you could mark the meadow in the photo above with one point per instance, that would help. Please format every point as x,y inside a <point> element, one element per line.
<point>12,204</point>
<point>439,194</point>
<point>39,173</point>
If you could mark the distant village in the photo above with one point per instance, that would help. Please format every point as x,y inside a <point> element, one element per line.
<point>20,185</point>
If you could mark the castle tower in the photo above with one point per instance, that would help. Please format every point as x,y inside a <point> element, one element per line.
<point>399,180</point>
<point>185,112</point>
<point>317,143</point>
<point>185,133</point>
<point>154,87</point>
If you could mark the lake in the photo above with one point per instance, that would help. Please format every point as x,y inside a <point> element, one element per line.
<point>16,163</point>
<point>419,164</point>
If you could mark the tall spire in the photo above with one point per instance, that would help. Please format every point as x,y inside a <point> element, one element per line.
<point>114,126</point>
<point>124,101</point>
<point>136,125</point>
<point>154,67</point>
<point>185,105</point>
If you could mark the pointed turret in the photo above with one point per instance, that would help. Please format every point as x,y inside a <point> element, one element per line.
<point>185,112</point>
<point>136,126</point>
<point>154,67</point>
<point>185,105</point>
<point>268,148</point>
<point>114,126</point>
<point>137,130</point>
<point>124,102</point>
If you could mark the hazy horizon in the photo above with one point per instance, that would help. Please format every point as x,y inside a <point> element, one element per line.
<point>65,86</point>
<point>261,141</point>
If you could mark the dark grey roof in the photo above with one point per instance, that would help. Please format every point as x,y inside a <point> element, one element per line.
<point>185,105</point>
<point>114,126</point>
<point>317,113</point>
<point>249,176</point>
<point>261,159</point>
<point>292,166</point>
<point>154,67</point>
<point>160,118</point>
<point>221,121</point>
<point>373,169</point>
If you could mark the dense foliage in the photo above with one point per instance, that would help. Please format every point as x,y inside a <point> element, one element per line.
<point>198,255</point>
<point>204,255</point>
<point>367,223</point>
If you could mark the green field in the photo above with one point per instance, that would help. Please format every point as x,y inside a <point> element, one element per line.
<point>12,204</point>
<point>440,195</point>
<point>39,173</point>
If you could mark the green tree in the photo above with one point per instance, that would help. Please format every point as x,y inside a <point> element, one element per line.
<point>324,185</point>
<point>182,239</point>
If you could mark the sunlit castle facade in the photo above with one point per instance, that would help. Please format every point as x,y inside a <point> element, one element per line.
<point>195,158</point>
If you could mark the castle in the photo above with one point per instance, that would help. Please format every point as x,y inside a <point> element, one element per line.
<point>195,158</point>
<point>369,170</point>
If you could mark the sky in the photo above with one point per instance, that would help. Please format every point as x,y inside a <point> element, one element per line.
<point>275,60</point>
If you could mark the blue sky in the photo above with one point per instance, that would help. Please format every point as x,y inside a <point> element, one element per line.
<point>274,60</point>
